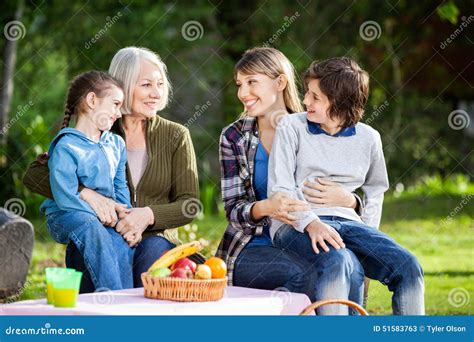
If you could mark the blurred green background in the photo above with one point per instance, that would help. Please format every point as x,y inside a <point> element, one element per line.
<point>418,55</point>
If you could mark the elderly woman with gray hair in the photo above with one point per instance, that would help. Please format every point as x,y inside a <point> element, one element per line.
<point>161,167</point>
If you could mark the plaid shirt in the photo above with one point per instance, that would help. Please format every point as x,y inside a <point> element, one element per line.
<point>237,149</point>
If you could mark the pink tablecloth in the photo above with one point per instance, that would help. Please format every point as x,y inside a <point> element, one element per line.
<point>236,301</point>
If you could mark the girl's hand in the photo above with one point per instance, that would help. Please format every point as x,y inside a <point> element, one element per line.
<point>104,207</point>
<point>328,194</point>
<point>320,232</point>
<point>134,220</point>
<point>280,205</point>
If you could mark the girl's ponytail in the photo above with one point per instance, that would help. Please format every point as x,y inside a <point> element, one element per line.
<point>67,116</point>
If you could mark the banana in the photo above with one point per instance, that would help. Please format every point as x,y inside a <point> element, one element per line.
<point>173,255</point>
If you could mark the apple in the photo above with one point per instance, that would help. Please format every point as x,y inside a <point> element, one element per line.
<point>184,263</point>
<point>182,273</point>
<point>161,272</point>
<point>203,272</point>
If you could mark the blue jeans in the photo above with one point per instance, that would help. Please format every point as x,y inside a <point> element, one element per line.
<point>269,268</point>
<point>381,258</point>
<point>107,257</point>
<point>146,253</point>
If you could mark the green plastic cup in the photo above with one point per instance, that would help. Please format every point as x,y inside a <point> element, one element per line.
<point>51,273</point>
<point>66,288</point>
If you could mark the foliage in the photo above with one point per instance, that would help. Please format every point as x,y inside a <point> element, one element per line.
<point>436,185</point>
<point>410,113</point>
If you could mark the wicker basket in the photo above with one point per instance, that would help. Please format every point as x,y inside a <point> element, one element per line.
<point>310,308</point>
<point>183,290</point>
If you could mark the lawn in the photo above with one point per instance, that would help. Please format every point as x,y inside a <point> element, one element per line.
<point>443,247</point>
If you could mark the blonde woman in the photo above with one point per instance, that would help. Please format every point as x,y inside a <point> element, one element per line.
<point>161,166</point>
<point>267,89</point>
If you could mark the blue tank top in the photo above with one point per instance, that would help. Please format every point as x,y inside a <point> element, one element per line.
<point>260,180</point>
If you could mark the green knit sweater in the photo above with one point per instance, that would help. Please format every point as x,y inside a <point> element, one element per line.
<point>169,182</point>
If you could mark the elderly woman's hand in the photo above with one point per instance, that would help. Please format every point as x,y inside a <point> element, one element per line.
<point>325,193</point>
<point>132,238</point>
<point>134,221</point>
<point>105,208</point>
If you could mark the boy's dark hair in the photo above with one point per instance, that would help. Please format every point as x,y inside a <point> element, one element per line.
<point>91,81</point>
<point>345,84</point>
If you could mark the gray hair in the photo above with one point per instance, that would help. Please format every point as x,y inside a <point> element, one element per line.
<point>125,66</point>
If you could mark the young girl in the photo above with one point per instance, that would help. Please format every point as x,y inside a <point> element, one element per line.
<point>267,89</point>
<point>91,156</point>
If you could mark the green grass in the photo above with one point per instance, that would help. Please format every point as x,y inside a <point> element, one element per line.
<point>443,247</point>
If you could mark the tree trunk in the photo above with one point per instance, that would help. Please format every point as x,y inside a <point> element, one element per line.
<point>396,87</point>
<point>9,57</point>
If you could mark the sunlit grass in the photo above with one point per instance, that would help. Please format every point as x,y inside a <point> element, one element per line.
<point>443,247</point>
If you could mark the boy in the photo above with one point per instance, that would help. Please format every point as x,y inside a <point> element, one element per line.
<point>329,142</point>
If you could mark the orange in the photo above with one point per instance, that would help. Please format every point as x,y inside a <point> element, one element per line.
<point>217,266</point>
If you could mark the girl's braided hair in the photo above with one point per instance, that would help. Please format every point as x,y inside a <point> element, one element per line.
<point>91,81</point>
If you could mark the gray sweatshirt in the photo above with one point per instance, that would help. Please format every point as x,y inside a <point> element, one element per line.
<point>355,161</point>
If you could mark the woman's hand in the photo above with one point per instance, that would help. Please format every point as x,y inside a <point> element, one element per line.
<point>328,194</point>
<point>320,232</point>
<point>104,207</point>
<point>280,205</point>
<point>134,221</point>
<point>132,238</point>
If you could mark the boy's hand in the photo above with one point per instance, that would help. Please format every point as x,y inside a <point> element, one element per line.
<point>280,205</point>
<point>328,194</point>
<point>320,232</point>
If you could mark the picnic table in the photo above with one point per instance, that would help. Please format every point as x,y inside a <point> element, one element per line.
<point>236,301</point>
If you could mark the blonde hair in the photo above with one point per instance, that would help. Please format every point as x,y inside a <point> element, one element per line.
<point>125,67</point>
<point>272,63</point>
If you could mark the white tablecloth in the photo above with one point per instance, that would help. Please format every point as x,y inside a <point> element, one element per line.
<point>236,301</point>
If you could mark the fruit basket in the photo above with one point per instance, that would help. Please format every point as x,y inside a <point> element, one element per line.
<point>183,290</point>
<point>173,276</point>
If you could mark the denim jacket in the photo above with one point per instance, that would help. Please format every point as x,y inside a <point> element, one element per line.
<point>77,160</point>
